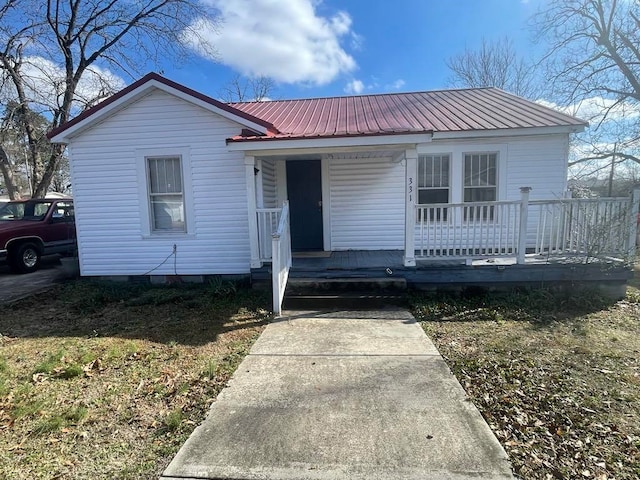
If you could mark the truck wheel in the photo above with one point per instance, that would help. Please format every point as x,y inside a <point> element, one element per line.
<point>26,258</point>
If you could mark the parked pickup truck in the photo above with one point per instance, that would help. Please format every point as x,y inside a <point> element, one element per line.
<point>30,229</point>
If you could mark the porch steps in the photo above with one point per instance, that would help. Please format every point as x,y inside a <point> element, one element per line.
<point>344,293</point>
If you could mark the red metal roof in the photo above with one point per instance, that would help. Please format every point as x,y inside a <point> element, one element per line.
<point>383,114</point>
<point>396,113</point>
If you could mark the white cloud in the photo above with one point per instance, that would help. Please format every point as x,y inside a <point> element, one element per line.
<point>354,87</point>
<point>287,41</point>
<point>593,109</point>
<point>396,85</point>
<point>356,41</point>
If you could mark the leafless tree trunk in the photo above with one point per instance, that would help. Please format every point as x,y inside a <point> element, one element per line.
<point>7,173</point>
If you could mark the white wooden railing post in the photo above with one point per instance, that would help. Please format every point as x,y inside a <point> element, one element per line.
<point>250,177</point>
<point>280,259</point>
<point>524,219</point>
<point>411,190</point>
<point>275,273</point>
<point>635,201</point>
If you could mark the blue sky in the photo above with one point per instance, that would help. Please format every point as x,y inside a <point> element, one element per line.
<point>324,48</point>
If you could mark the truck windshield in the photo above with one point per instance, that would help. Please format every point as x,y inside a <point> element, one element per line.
<point>24,210</point>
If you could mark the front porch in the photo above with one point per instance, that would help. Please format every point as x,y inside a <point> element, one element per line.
<point>569,242</point>
<point>367,222</point>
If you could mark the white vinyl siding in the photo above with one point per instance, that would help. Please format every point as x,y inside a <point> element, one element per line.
<point>269,181</point>
<point>367,204</point>
<point>539,163</point>
<point>111,203</point>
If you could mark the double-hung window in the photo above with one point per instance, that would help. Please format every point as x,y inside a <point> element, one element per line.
<point>433,183</point>
<point>166,194</point>
<point>480,183</point>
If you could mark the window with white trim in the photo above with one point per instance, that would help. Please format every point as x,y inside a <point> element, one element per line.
<point>433,179</point>
<point>433,183</point>
<point>480,182</point>
<point>166,195</point>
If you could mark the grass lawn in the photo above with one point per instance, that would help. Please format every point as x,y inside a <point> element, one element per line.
<point>103,380</point>
<point>557,378</point>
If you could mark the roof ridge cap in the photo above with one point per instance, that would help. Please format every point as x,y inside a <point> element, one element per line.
<point>381,94</point>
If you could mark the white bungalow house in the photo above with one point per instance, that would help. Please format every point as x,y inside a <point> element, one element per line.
<point>169,181</point>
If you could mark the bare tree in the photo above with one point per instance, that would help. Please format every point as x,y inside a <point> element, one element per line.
<point>593,64</point>
<point>14,158</point>
<point>243,89</point>
<point>494,64</point>
<point>56,57</point>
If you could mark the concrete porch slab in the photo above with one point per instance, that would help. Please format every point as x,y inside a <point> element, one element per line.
<point>322,398</point>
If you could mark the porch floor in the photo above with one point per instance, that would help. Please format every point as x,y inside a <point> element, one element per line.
<point>500,272</point>
<point>351,259</point>
<point>393,259</point>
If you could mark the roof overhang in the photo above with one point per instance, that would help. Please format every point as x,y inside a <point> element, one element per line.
<point>509,132</point>
<point>144,86</point>
<point>277,146</point>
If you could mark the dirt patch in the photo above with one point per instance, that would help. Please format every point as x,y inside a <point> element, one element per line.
<point>103,380</point>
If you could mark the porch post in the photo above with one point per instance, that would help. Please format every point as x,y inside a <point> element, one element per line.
<point>411,167</point>
<point>524,220</point>
<point>635,200</point>
<point>250,176</point>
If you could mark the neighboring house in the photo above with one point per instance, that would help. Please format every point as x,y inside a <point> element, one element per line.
<point>159,168</point>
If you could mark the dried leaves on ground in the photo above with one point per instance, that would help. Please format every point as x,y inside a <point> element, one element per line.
<point>101,380</point>
<point>556,376</point>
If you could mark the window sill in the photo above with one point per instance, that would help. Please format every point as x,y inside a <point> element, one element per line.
<point>168,235</point>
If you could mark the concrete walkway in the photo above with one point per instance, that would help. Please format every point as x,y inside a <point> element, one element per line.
<point>344,395</point>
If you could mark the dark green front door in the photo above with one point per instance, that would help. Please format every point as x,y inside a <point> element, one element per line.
<point>304,189</point>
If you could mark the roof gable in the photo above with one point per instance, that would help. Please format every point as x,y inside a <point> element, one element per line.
<point>140,88</point>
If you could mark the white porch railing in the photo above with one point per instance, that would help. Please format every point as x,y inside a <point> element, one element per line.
<point>280,259</point>
<point>592,227</point>
<point>268,219</point>
<point>586,228</point>
<point>467,229</point>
